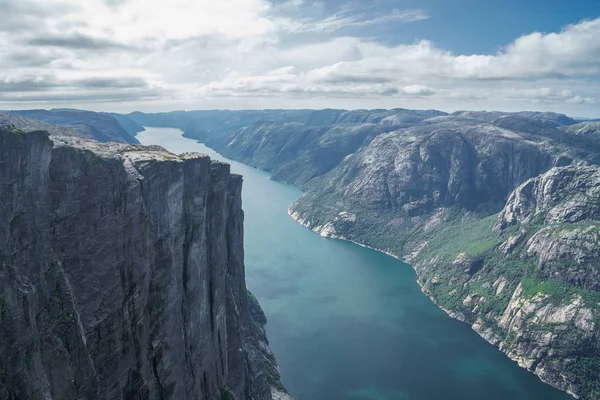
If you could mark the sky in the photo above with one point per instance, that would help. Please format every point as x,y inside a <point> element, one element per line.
<point>161,55</point>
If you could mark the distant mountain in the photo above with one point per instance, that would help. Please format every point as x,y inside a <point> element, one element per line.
<point>31,125</point>
<point>545,119</point>
<point>587,128</point>
<point>132,127</point>
<point>229,120</point>
<point>99,126</point>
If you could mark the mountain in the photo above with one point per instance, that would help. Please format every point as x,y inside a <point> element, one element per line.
<point>546,119</point>
<point>31,125</point>
<point>298,146</point>
<point>219,121</point>
<point>496,211</point>
<point>295,153</point>
<point>122,275</point>
<point>98,126</point>
<point>432,194</point>
<point>588,129</point>
<point>132,127</point>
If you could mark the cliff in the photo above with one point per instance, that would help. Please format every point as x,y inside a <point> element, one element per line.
<point>122,274</point>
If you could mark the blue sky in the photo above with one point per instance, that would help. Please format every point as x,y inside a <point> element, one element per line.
<point>126,55</point>
<point>478,26</point>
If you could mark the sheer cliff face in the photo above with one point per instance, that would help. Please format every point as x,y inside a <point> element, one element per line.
<point>121,274</point>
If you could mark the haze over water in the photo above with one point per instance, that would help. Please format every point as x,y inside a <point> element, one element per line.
<point>349,323</point>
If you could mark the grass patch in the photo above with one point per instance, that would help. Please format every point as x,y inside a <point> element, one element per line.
<point>3,309</point>
<point>27,359</point>
<point>14,220</point>
<point>454,237</point>
<point>226,395</point>
<point>551,287</point>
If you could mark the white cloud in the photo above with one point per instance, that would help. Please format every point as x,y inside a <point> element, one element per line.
<point>348,20</point>
<point>191,52</point>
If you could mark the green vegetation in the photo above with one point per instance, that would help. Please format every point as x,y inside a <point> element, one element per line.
<point>14,220</point>
<point>556,289</point>
<point>586,370</point>
<point>3,309</point>
<point>226,395</point>
<point>95,159</point>
<point>18,130</point>
<point>454,237</point>
<point>27,359</point>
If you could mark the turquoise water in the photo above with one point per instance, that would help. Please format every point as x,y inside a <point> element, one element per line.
<point>349,323</point>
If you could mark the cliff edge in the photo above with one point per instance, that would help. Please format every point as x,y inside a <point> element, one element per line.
<point>122,274</point>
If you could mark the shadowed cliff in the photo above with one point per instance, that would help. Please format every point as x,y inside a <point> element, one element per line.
<point>122,274</point>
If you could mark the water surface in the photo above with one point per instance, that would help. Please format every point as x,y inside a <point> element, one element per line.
<point>349,323</point>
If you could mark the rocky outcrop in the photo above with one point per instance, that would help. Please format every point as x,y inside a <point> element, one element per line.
<point>550,339</point>
<point>31,125</point>
<point>122,274</point>
<point>588,128</point>
<point>536,294</point>
<point>92,125</point>
<point>561,195</point>
<point>443,164</point>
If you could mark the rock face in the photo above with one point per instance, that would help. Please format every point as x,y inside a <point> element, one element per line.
<point>561,195</point>
<point>122,274</point>
<point>536,293</point>
<point>295,153</point>
<point>588,128</point>
<point>422,168</point>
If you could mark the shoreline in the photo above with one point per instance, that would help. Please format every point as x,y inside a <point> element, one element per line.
<point>456,316</point>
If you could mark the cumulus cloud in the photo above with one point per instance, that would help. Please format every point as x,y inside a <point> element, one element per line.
<point>188,52</point>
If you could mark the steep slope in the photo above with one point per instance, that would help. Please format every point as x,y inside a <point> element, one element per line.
<point>446,162</point>
<point>132,127</point>
<point>122,275</point>
<point>529,281</point>
<point>526,279</point>
<point>294,152</point>
<point>98,126</point>
<point>215,122</point>
<point>31,125</point>
<point>588,129</point>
